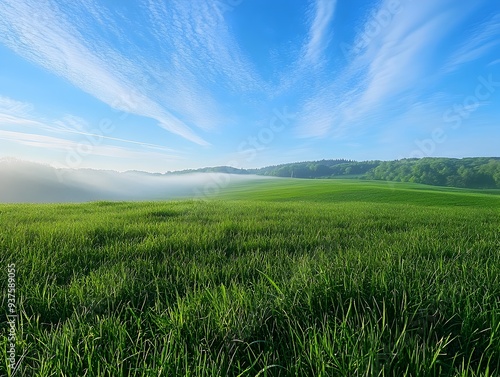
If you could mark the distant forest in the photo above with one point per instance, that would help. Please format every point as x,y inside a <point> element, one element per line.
<point>477,172</point>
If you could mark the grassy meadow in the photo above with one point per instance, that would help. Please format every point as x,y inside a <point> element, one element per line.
<point>274,278</point>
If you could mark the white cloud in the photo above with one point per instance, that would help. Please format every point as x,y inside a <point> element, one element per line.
<point>307,68</point>
<point>318,38</point>
<point>206,65</point>
<point>9,119</point>
<point>41,33</point>
<point>483,39</point>
<point>37,140</point>
<point>392,65</point>
<point>57,143</point>
<point>177,62</point>
<point>12,106</point>
<point>316,118</point>
<point>70,133</point>
<point>398,58</point>
<point>494,62</point>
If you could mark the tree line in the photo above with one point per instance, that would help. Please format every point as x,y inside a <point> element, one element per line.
<point>475,172</point>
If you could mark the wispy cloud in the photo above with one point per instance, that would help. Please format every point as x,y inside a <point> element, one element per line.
<point>484,38</point>
<point>307,68</point>
<point>12,106</point>
<point>397,60</point>
<point>18,125</point>
<point>206,64</point>
<point>316,118</point>
<point>319,38</point>
<point>42,33</point>
<point>7,119</point>
<point>59,144</point>
<point>393,65</point>
<point>36,140</point>
<point>16,113</point>
<point>494,62</point>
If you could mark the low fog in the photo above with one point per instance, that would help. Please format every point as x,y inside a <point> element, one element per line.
<point>26,182</point>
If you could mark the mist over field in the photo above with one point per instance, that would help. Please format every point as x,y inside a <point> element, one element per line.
<point>27,182</point>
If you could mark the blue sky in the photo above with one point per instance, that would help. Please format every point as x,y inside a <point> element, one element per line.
<point>164,85</point>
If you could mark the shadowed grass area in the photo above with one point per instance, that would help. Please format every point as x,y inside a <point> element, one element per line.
<point>281,278</point>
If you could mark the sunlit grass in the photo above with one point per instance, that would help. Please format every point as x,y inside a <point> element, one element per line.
<point>312,278</point>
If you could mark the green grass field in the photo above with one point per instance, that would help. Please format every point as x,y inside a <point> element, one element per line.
<point>278,278</point>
